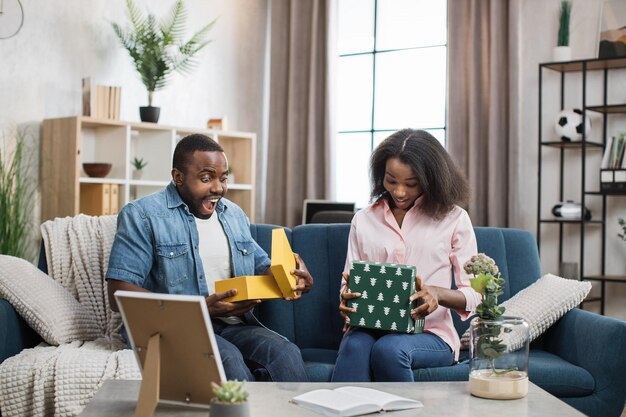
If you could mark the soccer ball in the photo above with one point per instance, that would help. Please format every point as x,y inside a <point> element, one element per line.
<point>569,125</point>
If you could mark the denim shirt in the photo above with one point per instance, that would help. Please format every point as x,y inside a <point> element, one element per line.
<point>156,245</point>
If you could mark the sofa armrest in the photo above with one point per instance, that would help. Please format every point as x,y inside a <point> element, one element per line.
<point>15,334</point>
<point>594,343</point>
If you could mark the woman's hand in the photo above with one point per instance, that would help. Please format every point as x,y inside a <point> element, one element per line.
<point>345,296</point>
<point>427,299</point>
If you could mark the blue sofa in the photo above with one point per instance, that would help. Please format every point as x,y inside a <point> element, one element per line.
<point>579,359</point>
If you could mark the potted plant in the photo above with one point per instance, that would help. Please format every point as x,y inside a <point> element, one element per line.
<point>562,51</point>
<point>16,205</point>
<point>622,223</point>
<point>498,344</point>
<point>230,400</point>
<point>138,165</point>
<point>157,49</point>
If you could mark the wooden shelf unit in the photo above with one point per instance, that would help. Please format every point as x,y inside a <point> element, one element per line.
<point>66,143</point>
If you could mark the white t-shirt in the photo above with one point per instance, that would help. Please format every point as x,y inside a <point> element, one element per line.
<point>215,255</point>
<point>214,251</point>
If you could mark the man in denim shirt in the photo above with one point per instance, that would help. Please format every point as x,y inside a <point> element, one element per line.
<point>170,242</point>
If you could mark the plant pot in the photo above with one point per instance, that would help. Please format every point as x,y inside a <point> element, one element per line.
<point>561,53</point>
<point>230,410</point>
<point>499,358</point>
<point>149,114</point>
<point>137,174</point>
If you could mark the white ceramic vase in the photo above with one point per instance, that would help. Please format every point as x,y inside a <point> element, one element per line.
<point>561,54</point>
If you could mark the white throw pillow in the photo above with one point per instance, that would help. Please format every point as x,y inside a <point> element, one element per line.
<point>44,304</point>
<point>542,303</point>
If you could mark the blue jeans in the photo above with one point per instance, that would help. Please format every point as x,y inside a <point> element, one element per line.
<point>366,355</point>
<point>254,353</point>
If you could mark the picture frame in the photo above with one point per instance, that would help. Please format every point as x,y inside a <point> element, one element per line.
<point>612,30</point>
<point>178,363</point>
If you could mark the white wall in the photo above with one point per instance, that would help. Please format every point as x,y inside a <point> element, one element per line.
<point>539,32</point>
<point>64,40</point>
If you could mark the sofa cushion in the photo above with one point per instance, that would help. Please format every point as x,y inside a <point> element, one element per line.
<point>557,376</point>
<point>44,304</point>
<point>543,303</point>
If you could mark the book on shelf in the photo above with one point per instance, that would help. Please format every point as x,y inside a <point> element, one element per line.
<point>613,157</point>
<point>352,401</point>
<point>95,199</point>
<point>115,199</point>
<point>101,101</point>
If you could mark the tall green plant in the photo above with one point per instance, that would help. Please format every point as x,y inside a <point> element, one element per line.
<point>565,13</point>
<point>156,48</point>
<point>16,196</point>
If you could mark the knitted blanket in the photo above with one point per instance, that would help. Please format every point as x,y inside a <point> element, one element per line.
<point>60,380</point>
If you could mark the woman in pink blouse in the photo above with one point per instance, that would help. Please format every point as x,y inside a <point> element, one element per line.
<point>415,219</point>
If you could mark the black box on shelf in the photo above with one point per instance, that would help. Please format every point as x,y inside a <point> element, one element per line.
<point>613,181</point>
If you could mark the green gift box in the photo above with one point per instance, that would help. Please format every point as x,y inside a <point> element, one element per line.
<point>384,303</point>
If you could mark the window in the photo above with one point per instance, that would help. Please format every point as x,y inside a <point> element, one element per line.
<point>391,75</point>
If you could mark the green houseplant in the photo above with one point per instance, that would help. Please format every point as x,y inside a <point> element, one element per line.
<point>16,207</point>
<point>138,164</point>
<point>562,51</point>
<point>498,344</point>
<point>230,399</point>
<point>157,48</point>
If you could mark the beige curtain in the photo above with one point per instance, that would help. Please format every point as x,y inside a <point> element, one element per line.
<point>298,129</point>
<point>482,113</point>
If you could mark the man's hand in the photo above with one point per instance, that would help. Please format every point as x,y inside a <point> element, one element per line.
<point>219,308</point>
<point>427,298</point>
<point>304,280</point>
<point>345,296</point>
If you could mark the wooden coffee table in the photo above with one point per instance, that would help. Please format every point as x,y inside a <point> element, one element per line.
<point>271,399</point>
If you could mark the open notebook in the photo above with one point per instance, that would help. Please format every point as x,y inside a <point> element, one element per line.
<point>352,401</point>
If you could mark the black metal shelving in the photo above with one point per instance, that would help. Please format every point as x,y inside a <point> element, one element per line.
<point>605,108</point>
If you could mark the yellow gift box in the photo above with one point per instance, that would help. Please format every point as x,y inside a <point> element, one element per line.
<point>250,287</point>
<point>259,287</point>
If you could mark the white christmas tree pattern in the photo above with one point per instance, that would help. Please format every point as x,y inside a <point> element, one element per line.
<point>362,322</point>
<point>405,285</point>
<point>370,308</point>
<point>409,329</point>
<point>402,312</point>
<point>364,294</point>
<point>383,270</point>
<point>355,306</point>
<point>373,281</point>
<point>357,279</point>
<point>399,272</point>
<point>389,282</point>
<point>396,299</point>
<point>380,297</point>
<point>377,325</point>
<point>366,268</point>
<point>393,326</point>
<point>386,309</point>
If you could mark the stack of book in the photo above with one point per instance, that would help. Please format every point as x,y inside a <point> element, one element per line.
<point>613,168</point>
<point>99,199</point>
<point>101,101</point>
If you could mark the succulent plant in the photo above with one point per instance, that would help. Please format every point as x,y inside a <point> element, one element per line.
<point>230,392</point>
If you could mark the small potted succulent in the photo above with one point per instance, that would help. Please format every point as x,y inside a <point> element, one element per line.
<point>230,400</point>
<point>498,344</point>
<point>138,164</point>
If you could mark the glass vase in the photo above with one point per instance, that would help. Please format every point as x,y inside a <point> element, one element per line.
<point>499,358</point>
